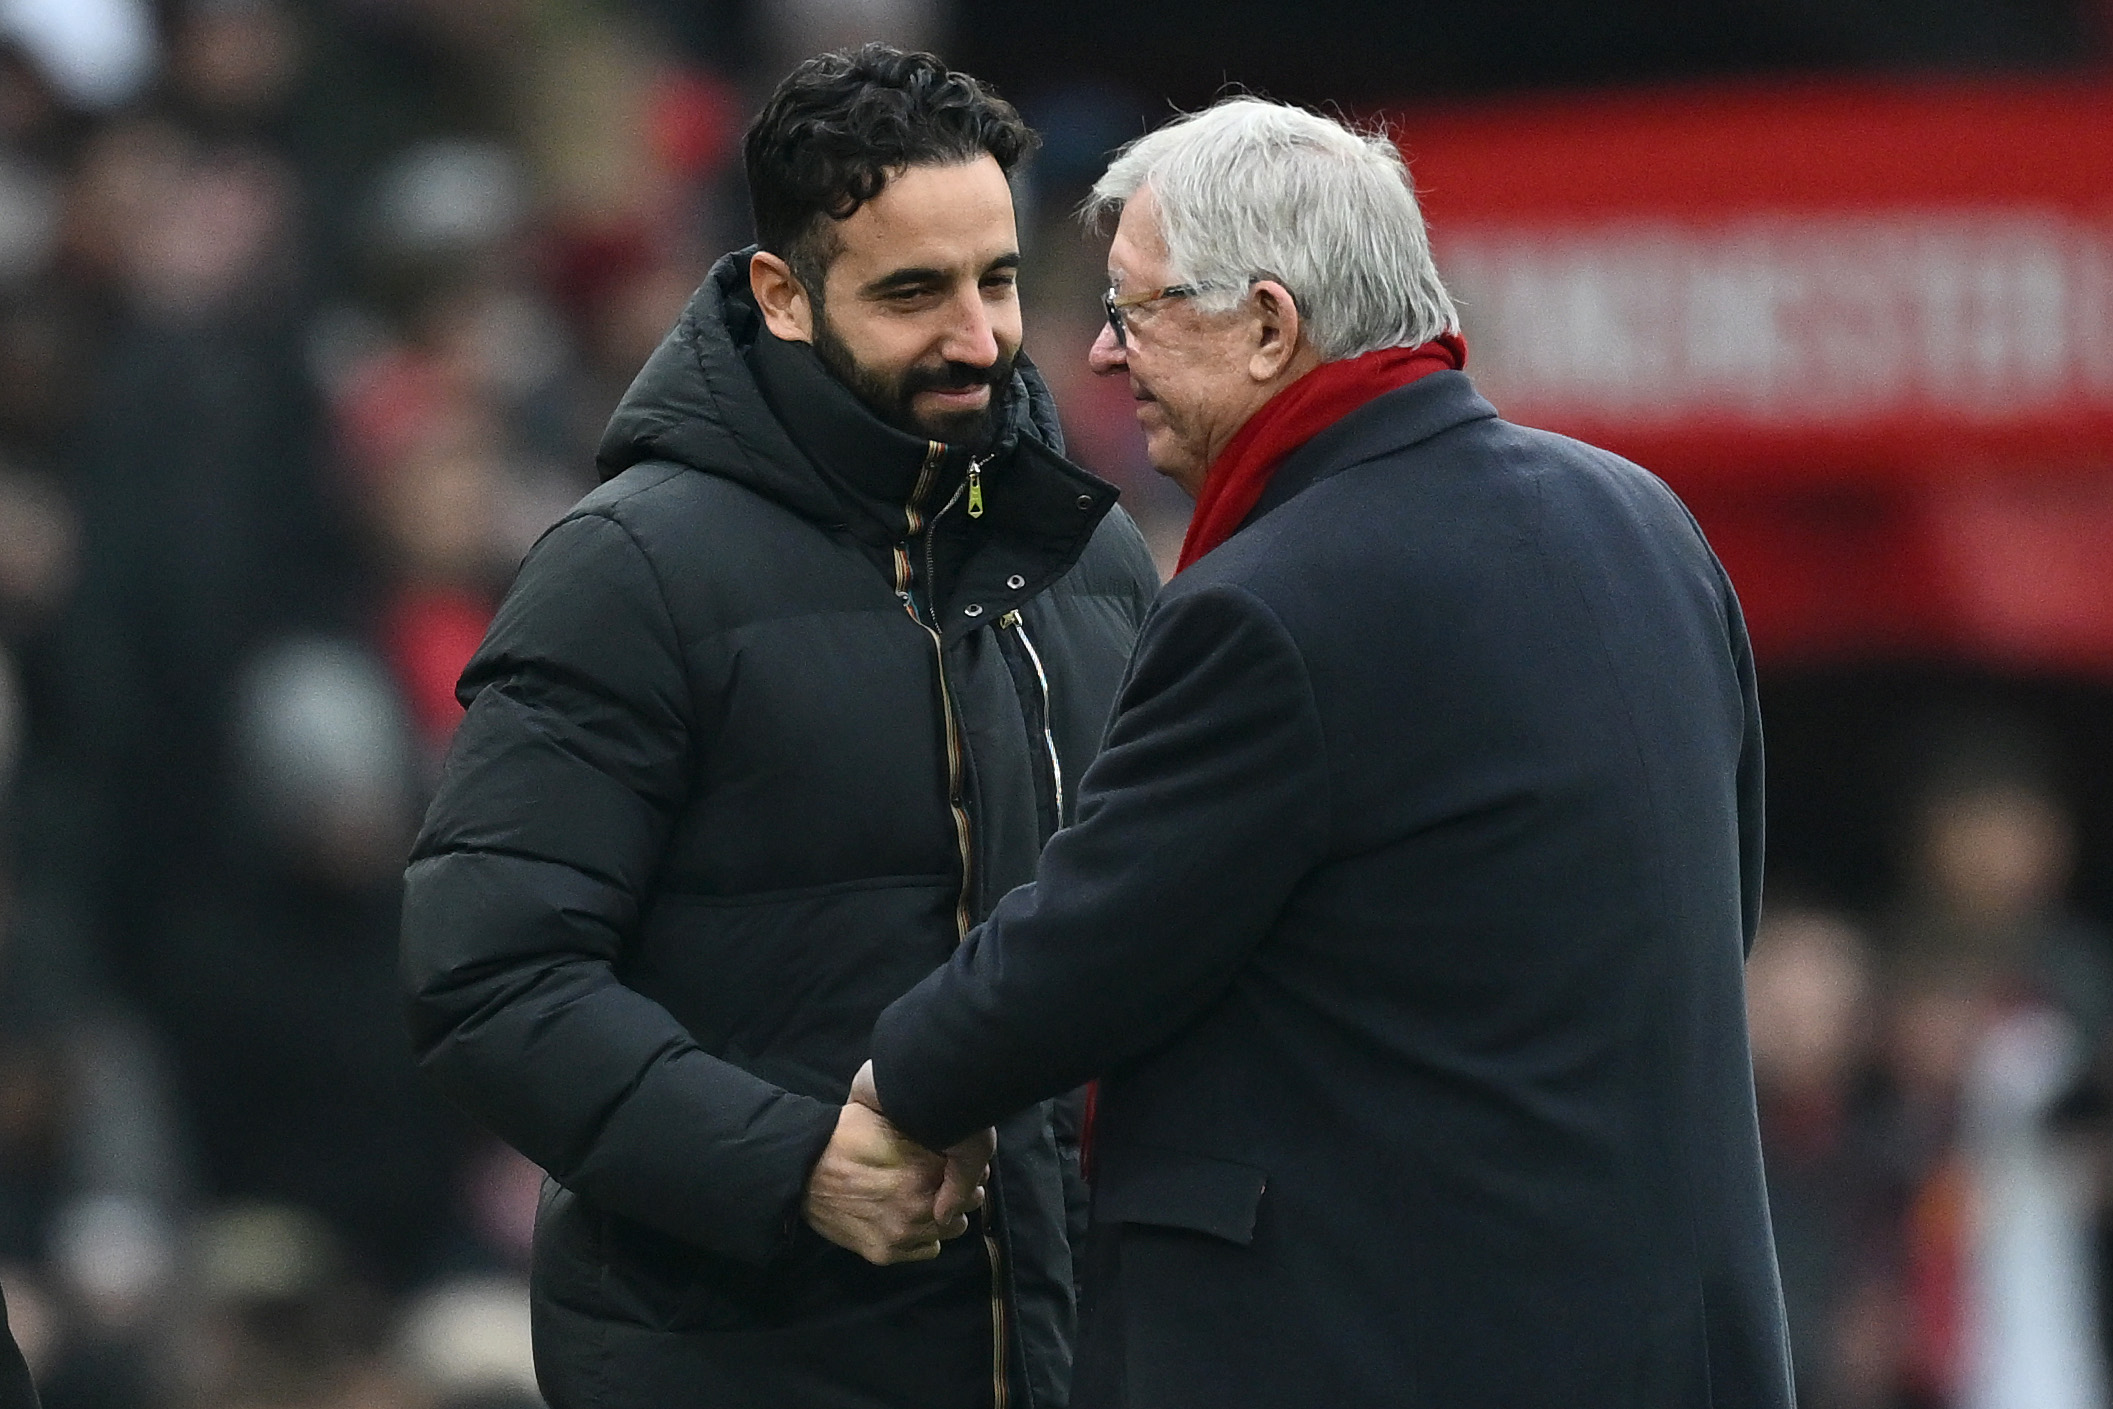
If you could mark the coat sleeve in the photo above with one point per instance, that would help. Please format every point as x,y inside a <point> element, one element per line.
<point>16,1390</point>
<point>1752,809</point>
<point>1206,806</point>
<point>526,886</point>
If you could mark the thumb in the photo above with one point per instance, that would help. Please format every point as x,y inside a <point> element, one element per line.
<point>967,1167</point>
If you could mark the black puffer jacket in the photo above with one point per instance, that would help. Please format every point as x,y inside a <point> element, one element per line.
<point>766,722</point>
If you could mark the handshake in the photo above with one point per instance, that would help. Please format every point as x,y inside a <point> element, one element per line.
<point>886,1197</point>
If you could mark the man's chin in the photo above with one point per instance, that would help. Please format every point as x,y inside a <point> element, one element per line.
<point>1176,464</point>
<point>974,429</point>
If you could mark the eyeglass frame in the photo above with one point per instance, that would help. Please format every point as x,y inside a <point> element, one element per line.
<point>1115,306</point>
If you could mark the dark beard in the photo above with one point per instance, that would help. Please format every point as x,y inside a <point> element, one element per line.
<point>893,400</point>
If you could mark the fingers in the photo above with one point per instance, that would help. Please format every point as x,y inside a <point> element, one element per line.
<point>900,1227</point>
<point>908,1232</point>
<point>953,1204</point>
<point>962,1188</point>
<point>885,1197</point>
<point>884,1233</point>
<point>885,1253</point>
<point>961,1192</point>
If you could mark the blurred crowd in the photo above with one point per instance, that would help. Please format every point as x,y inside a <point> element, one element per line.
<point>1936,1097</point>
<point>310,317</point>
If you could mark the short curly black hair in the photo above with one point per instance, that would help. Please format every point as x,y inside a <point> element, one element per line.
<point>842,123</point>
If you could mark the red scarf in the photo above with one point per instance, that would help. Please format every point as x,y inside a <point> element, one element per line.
<point>1235,481</point>
<point>1295,415</point>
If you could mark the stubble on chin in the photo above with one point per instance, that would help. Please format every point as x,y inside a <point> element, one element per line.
<point>972,429</point>
<point>893,400</point>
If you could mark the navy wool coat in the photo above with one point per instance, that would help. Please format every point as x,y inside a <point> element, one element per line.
<point>1404,918</point>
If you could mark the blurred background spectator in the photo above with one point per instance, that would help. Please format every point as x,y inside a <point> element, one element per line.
<point>310,315</point>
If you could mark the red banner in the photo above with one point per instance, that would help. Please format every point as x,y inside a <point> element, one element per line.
<point>1866,331</point>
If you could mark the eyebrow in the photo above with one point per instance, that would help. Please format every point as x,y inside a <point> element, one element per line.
<point>915,275</point>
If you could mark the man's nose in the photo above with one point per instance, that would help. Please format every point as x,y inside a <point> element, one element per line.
<point>1107,356</point>
<point>971,340</point>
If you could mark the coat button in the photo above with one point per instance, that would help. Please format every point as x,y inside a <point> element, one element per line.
<point>1016,582</point>
<point>972,610</point>
<point>1085,501</point>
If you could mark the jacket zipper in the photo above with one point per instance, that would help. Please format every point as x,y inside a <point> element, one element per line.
<point>1056,767</point>
<point>905,575</point>
<point>934,456</point>
<point>999,1390</point>
<point>913,519</point>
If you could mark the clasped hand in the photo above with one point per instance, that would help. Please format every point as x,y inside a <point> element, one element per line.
<point>886,1197</point>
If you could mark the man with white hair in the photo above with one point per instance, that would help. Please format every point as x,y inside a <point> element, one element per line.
<point>1404,915</point>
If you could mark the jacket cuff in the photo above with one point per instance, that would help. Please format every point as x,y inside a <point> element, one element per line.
<point>773,1236</point>
<point>911,1096</point>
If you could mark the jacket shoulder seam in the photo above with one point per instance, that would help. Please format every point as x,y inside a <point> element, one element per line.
<point>674,467</point>
<point>660,589</point>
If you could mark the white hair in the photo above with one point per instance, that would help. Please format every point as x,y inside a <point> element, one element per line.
<point>1250,189</point>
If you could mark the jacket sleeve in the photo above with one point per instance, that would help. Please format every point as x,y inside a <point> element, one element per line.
<point>526,886</point>
<point>1207,805</point>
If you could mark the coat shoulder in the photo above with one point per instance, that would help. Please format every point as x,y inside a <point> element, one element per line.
<point>722,553</point>
<point>669,507</point>
<point>1579,466</point>
<point>1445,502</point>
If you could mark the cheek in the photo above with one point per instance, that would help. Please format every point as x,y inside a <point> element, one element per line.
<point>885,346</point>
<point>1184,397</point>
<point>1007,326</point>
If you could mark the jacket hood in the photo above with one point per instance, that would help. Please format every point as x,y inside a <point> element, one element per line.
<point>697,402</point>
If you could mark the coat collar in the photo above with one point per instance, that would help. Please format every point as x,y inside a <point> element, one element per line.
<point>1038,508</point>
<point>699,402</point>
<point>884,473</point>
<point>1408,416</point>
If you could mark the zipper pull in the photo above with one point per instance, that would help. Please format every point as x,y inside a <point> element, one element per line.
<point>975,489</point>
<point>1011,619</point>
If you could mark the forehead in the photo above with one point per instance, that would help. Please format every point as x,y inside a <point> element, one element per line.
<point>1138,254</point>
<point>937,217</point>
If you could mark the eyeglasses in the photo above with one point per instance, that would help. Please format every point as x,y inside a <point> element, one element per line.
<point>1115,306</point>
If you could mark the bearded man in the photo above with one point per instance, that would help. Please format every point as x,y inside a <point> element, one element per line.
<point>766,724</point>
<point>1404,917</point>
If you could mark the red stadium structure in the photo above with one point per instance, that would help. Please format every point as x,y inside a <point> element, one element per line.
<point>1865,331</point>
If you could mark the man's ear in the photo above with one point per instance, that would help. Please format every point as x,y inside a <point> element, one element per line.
<point>787,310</point>
<point>1276,330</point>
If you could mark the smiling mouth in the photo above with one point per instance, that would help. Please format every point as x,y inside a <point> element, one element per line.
<point>977,394</point>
